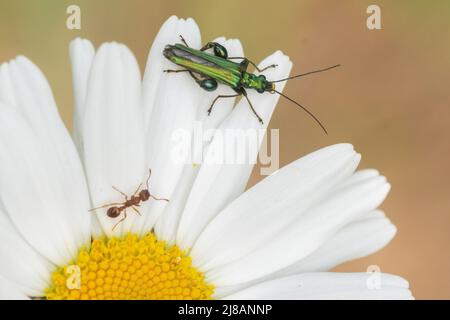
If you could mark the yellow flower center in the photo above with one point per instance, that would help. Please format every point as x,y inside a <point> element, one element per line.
<point>130,268</point>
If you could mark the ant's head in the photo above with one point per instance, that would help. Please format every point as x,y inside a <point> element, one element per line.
<point>144,195</point>
<point>113,212</point>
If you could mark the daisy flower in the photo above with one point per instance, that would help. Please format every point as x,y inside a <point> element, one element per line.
<point>213,239</point>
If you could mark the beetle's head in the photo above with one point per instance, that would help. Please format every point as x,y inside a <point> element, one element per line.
<point>269,86</point>
<point>265,85</point>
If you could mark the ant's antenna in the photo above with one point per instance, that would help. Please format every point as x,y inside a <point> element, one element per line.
<point>306,110</point>
<point>307,73</point>
<point>149,175</point>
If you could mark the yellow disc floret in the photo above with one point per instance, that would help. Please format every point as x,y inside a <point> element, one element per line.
<point>130,268</point>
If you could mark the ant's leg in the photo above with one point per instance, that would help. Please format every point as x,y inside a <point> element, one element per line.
<point>254,64</point>
<point>136,210</point>
<point>137,190</point>
<point>219,97</point>
<point>122,193</point>
<point>121,220</point>
<point>184,41</point>
<point>105,206</point>
<point>175,71</point>
<point>244,93</point>
<point>152,196</point>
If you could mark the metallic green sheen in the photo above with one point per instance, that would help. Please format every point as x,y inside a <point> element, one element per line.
<point>207,65</point>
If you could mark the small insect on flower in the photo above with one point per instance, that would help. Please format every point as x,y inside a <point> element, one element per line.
<point>133,202</point>
<point>209,69</point>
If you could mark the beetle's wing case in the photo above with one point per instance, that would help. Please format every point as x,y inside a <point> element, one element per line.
<point>205,64</point>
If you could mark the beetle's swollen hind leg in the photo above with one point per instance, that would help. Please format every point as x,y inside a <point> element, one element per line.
<point>254,64</point>
<point>208,84</point>
<point>219,97</point>
<point>218,49</point>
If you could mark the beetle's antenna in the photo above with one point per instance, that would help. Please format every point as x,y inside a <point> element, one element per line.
<point>308,73</point>
<point>304,109</point>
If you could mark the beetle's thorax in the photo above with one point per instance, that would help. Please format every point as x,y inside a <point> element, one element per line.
<point>253,81</point>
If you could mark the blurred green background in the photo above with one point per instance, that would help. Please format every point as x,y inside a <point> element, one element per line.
<point>390,99</point>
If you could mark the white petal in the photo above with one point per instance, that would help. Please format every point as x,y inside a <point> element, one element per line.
<point>174,109</point>
<point>113,132</point>
<point>218,184</point>
<point>271,205</point>
<point>169,33</point>
<point>22,265</point>
<point>30,190</point>
<point>167,224</point>
<point>81,55</point>
<point>305,235</point>
<point>356,240</point>
<point>24,87</point>
<point>9,291</point>
<point>356,286</point>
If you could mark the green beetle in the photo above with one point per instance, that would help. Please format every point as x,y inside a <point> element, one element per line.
<point>210,69</point>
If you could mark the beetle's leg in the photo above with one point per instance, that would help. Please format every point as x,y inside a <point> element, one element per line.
<point>121,220</point>
<point>197,79</point>
<point>207,46</point>
<point>219,50</point>
<point>219,97</point>
<point>265,68</point>
<point>244,93</point>
<point>175,71</point>
<point>254,64</point>
<point>184,41</point>
<point>184,70</point>
<point>208,84</point>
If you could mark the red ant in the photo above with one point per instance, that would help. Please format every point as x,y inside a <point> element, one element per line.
<point>134,201</point>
